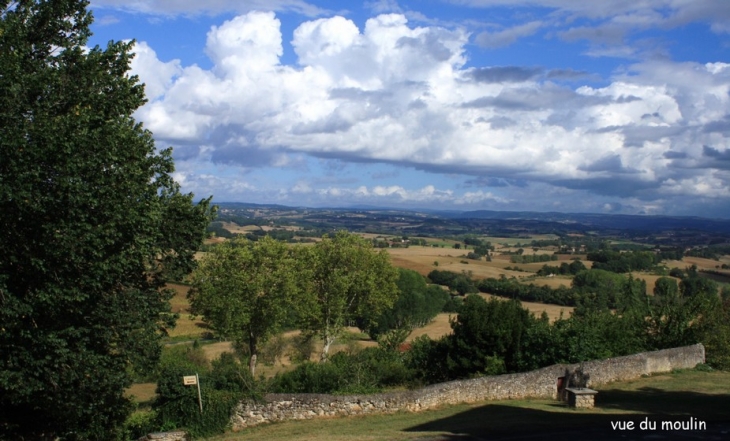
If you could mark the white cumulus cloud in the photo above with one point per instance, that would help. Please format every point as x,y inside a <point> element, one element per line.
<point>396,93</point>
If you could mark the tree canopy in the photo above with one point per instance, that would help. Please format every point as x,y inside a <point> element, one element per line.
<point>343,278</point>
<point>93,223</point>
<point>244,289</point>
<point>416,305</point>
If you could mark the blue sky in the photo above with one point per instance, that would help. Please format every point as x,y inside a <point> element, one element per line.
<point>615,106</point>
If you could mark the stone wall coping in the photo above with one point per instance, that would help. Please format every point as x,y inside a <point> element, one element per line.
<point>581,390</point>
<point>540,383</point>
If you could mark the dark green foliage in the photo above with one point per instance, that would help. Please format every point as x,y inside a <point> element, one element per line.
<point>140,424</point>
<point>565,268</point>
<point>513,289</point>
<point>710,252</point>
<point>222,387</point>
<point>365,371</point>
<point>416,305</point>
<point>473,241</point>
<point>624,262</point>
<point>674,310</point>
<point>714,329</point>
<point>428,360</point>
<point>671,253</point>
<point>541,346</point>
<point>526,258</point>
<point>92,223</point>
<point>460,283</point>
<point>488,337</point>
<point>595,335</point>
<point>694,285</point>
<point>217,229</point>
<point>453,304</point>
<point>599,289</point>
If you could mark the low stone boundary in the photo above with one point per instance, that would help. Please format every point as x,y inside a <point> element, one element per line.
<point>541,383</point>
<point>166,436</point>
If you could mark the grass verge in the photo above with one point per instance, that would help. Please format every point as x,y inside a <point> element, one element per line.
<point>667,397</point>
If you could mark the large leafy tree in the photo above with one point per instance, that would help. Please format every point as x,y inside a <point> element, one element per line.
<point>416,305</point>
<point>244,289</point>
<point>677,313</point>
<point>488,336</point>
<point>343,279</point>
<point>92,223</point>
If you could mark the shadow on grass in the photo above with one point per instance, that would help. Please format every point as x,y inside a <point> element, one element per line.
<point>546,420</point>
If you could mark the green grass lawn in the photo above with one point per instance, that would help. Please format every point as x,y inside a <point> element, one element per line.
<point>667,397</point>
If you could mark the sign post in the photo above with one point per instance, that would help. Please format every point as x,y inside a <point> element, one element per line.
<point>190,380</point>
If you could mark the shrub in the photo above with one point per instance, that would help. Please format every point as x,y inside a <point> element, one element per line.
<point>366,371</point>
<point>140,424</point>
<point>222,386</point>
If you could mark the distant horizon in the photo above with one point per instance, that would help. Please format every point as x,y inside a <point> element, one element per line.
<point>455,211</point>
<point>525,105</point>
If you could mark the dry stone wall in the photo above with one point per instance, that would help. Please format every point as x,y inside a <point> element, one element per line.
<point>541,383</point>
<point>166,436</point>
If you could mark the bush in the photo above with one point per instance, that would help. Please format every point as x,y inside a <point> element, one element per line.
<point>223,385</point>
<point>453,304</point>
<point>140,424</point>
<point>302,348</point>
<point>416,305</point>
<point>366,371</point>
<point>427,360</point>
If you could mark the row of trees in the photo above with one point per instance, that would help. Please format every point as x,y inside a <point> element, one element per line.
<point>624,262</point>
<point>460,283</point>
<point>527,258</point>
<point>246,291</point>
<point>565,268</point>
<point>594,286</point>
<point>500,336</point>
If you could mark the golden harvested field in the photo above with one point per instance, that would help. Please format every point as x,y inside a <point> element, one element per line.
<point>285,227</point>
<point>193,328</point>
<point>439,327</point>
<point>554,312</point>
<point>552,282</point>
<point>702,263</point>
<point>650,280</point>
<point>535,267</point>
<point>516,240</point>
<point>234,228</point>
<point>214,240</point>
<point>179,302</point>
<point>371,236</point>
<point>142,392</point>
<point>421,259</point>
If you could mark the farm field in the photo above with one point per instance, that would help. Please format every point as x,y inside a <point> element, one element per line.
<point>421,259</point>
<point>650,280</point>
<point>186,327</point>
<point>554,312</point>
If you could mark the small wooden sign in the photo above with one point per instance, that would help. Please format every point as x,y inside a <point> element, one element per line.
<point>190,380</point>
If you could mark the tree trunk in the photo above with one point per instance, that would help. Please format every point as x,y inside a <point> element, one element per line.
<point>328,340</point>
<point>253,350</point>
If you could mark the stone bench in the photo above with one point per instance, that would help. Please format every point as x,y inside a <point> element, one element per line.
<point>581,397</point>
